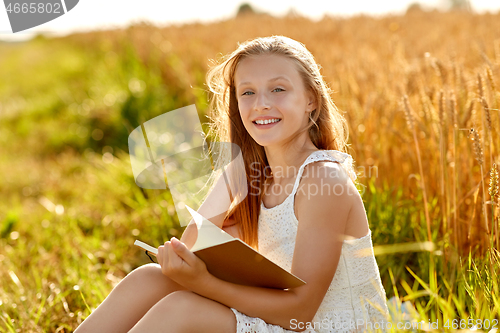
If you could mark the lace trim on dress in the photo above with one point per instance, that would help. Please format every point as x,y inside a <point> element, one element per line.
<point>320,155</point>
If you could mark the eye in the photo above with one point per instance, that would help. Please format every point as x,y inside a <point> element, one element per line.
<point>247,93</point>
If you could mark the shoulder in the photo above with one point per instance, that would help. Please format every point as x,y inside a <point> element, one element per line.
<point>329,174</point>
<point>325,190</point>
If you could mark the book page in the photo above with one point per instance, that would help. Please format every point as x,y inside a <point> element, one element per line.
<point>208,233</point>
<point>146,247</point>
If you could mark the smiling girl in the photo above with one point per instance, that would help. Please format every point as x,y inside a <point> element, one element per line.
<point>306,214</point>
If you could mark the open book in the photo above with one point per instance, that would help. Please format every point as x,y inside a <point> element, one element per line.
<point>232,260</point>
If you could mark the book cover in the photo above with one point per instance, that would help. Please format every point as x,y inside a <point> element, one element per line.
<point>230,259</point>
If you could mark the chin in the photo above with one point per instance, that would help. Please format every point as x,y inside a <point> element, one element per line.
<point>266,143</point>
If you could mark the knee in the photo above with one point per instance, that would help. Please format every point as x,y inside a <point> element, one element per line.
<point>147,270</point>
<point>179,302</point>
<point>144,276</point>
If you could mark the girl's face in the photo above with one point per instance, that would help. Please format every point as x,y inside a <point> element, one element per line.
<point>273,102</point>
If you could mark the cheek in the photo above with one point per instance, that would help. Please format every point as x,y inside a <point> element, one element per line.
<point>244,114</point>
<point>244,110</point>
<point>288,103</point>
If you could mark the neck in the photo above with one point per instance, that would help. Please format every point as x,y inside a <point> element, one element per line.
<point>285,162</point>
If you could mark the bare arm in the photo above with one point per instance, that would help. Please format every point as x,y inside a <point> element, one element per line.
<point>214,208</point>
<point>317,251</point>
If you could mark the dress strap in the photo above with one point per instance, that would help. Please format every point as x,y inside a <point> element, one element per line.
<point>326,155</point>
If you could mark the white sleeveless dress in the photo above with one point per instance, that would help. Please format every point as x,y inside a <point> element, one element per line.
<point>356,282</point>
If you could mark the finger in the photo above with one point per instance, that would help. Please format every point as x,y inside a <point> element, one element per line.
<point>166,258</point>
<point>174,259</point>
<point>182,251</point>
<point>159,255</point>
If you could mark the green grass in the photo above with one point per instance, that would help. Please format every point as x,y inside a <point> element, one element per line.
<point>59,263</point>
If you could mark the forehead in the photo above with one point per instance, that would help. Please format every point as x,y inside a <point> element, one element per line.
<point>265,67</point>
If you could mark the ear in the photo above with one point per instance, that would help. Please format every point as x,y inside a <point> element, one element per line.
<point>312,104</point>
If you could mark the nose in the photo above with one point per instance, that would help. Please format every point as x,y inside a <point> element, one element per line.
<point>262,102</point>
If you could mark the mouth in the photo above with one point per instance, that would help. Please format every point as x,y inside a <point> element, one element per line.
<point>266,123</point>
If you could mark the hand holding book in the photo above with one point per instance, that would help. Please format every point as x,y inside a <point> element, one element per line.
<point>181,265</point>
<point>232,260</point>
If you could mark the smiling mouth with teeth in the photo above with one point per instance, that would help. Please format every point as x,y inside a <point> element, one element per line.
<point>266,121</point>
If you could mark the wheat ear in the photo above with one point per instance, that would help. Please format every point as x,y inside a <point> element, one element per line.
<point>478,152</point>
<point>494,193</point>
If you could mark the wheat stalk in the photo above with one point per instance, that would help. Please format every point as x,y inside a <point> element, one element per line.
<point>454,117</point>
<point>478,148</point>
<point>442,157</point>
<point>409,120</point>
<point>440,70</point>
<point>469,114</point>
<point>489,74</point>
<point>494,194</point>
<point>487,114</point>
<point>484,103</point>
<point>478,152</point>
<point>493,189</point>
<point>480,89</point>
<point>486,109</point>
<point>408,115</point>
<point>452,105</point>
<point>441,109</point>
<point>495,94</point>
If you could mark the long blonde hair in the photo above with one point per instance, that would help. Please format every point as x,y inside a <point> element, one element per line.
<point>327,127</point>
